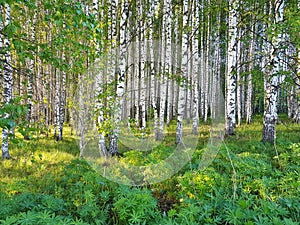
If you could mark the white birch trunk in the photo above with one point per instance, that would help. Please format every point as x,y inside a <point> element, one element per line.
<point>171,82</point>
<point>7,78</point>
<point>166,64</point>
<point>202,67</point>
<point>80,118</point>
<point>207,82</point>
<point>195,70</point>
<point>113,148</point>
<point>292,102</point>
<point>272,82</point>
<point>29,86</point>
<point>137,82</point>
<point>62,100</point>
<point>217,72</point>
<point>170,90</point>
<point>188,96</point>
<point>99,102</point>
<point>250,86</point>
<point>297,114</point>
<point>29,102</point>
<point>231,66</point>
<point>57,104</point>
<point>239,93</point>
<point>177,63</point>
<point>297,117</point>
<point>143,71</point>
<point>152,47</point>
<point>112,64</point>
<point>184,69</point>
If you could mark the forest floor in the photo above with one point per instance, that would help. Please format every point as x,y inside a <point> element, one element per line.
<point>248,182</point>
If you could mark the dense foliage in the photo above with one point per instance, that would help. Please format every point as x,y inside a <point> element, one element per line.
<point>47,184</point>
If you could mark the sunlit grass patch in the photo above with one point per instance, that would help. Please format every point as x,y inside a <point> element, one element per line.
<point>32,161</point>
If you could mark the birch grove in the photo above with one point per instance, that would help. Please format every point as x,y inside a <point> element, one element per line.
<point>155,65</point>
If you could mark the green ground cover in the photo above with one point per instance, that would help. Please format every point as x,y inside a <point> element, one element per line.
<point>46,183</point>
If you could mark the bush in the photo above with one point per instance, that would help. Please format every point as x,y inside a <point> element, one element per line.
<point>135,206</point>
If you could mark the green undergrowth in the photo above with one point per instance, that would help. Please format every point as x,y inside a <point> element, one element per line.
<point>248,182</point>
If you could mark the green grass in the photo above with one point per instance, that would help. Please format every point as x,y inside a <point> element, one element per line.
<point>46,183</point>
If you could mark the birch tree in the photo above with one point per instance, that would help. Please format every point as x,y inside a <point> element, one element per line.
<point>297,113</point>
<point>6,72</point>
<point>207,72</point>
<point>30,64</point>
<point>143,69</point>
<point>272,78</point>
<point>239,94</point>
<point>57,106</point>
<point>99,89</point>
<point>202,65</point>
<point>165,64</point>
<point>231,67</point>
<point>250,87</point>
<point>113,147</point>
<point>150,21</point>
<point>195,68</point>
<point>62,102</point>
<point>297,116</point>
<point>184,69</point>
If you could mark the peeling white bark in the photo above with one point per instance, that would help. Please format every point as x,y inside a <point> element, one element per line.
<point>272,82</point>
<point>250,86</point>
<point>184,69</point>
<point>166,64</point>
<point>231,69</point>
<point>113,148</point>
<point>7,77</point>
<point>195,69</point>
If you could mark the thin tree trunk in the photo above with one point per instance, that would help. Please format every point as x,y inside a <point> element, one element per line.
<point>99,89</point>
<point>153,80</point>
<point>7,78</point>
<point>250,86</point>
<point>231,76</point>
<point>57,105</point>
<point>166,64</point>
<point>207,81</point>
<point>272,82</point>
<point>178,52</point>
<point>202,66</point>
<point>195,70</point>
<point>113,148</point>
<point>62,100</point>
<point>184,69</point>
<point>29,102</point>
<point>297,114</point>
<point>239,94</point>
<point>143,71</point>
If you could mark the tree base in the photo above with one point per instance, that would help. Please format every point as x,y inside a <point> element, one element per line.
<point>6,155</point>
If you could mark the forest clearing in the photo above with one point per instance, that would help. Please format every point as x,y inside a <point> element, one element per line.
<point>150,112</point>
